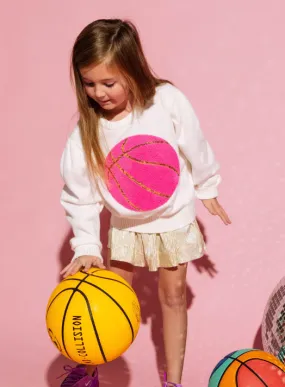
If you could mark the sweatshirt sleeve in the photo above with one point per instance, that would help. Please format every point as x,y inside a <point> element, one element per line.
<point>195,148</point>
<point>81,202</point>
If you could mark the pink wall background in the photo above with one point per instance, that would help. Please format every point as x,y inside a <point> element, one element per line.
<point>228,57</point>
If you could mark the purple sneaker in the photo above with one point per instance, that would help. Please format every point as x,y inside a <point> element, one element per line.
<point>170,384</point>
<point>74,375</point>
<point>89,381</point>
<point>78,377</point>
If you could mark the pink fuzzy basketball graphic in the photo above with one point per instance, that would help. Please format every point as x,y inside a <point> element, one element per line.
<point>142,172</point>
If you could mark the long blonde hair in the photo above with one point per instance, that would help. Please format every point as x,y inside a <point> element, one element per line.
<point>118,41</point>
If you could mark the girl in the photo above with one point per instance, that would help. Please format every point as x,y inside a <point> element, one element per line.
<point>138,150</point>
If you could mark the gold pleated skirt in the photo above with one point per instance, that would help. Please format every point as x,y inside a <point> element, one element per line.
<point>168,249</point>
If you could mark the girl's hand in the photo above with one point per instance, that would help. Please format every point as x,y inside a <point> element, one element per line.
<point>85,261</point>
<point>214,207</point>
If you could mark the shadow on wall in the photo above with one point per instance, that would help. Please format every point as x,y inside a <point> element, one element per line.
<point>145,284</point>
<point>257,343</point>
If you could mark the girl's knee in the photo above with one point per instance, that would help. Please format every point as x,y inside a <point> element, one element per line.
<point>174,296</point>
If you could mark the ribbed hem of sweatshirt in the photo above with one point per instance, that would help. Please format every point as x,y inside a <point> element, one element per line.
<point>154,224</point>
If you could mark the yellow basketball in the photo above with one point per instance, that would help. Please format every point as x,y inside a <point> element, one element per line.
<point>93,317</point>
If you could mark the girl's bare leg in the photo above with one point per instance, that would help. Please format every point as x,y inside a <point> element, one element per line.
<point>172,296</point>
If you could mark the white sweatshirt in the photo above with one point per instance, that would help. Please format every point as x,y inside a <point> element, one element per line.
<point>151,186</point>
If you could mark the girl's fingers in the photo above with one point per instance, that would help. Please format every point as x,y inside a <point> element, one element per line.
<point>74,268</point>
<point>64,270</point>
<point>224,216</point>
<point>227,219</point>
<point>100,264</point>
<point>87,266</point>
<point>67,273</point>
<point>214,207</point>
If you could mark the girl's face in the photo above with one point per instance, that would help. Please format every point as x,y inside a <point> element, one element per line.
<point>105,86</point>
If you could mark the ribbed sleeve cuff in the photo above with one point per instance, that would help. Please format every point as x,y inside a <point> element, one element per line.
<point>87,250</point>
<point>206,193</point>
